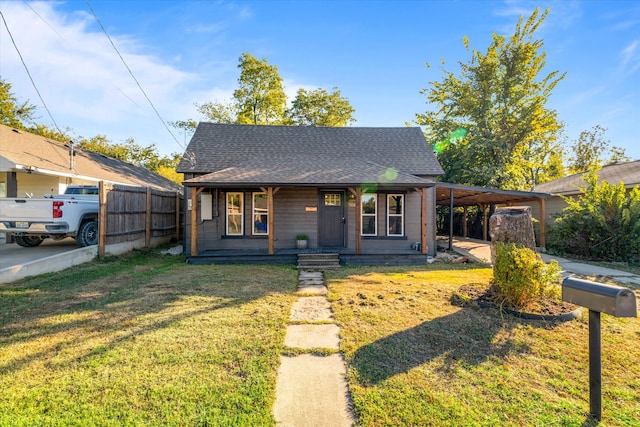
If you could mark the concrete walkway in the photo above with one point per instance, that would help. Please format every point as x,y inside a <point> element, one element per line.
<point>311,390</point>
<point>480,251</point>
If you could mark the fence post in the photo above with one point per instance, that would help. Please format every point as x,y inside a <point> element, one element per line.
<point>178,225</point>
<point>102,220</point>
<point>147,232</point>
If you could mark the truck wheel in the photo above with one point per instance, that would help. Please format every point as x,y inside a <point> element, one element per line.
<point>88,234</point>
<point>28,241</point>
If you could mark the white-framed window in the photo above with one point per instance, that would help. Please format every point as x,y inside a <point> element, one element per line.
<point>368,216</point>
<point>260,214</point>
<point>395,214</point>
<point>235,209</point>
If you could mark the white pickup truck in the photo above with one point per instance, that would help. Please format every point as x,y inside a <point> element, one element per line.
<point>72,214</point>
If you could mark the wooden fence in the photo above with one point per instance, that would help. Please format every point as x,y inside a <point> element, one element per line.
<point>138,215</point>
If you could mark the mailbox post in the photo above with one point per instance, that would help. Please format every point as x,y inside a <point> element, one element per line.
<point>598,298</point>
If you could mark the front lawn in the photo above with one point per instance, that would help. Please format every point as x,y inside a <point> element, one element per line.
<point>416,359</point>
<point>143,340</point>
<point>146,339</point>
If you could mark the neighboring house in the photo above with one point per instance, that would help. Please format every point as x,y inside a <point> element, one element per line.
<point>351,190</point>
<point>569,186</point>
<point>32,166</point>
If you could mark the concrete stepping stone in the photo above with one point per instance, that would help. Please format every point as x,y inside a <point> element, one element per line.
<point>311,309</point>
<point>311,391</point>
<point>313,336</point>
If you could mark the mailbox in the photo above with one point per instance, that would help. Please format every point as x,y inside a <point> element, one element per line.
<point>614,300</point>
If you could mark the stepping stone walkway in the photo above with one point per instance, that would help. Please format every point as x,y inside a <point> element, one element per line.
<point>312,390</point>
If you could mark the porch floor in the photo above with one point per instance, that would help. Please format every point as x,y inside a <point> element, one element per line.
<point>290,256</point>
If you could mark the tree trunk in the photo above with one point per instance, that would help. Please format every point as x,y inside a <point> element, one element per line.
<point>512,225</point>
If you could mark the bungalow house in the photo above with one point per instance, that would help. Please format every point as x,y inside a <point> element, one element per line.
<point>569,186</point>
<point>32,166</point>
<point>356,191</point>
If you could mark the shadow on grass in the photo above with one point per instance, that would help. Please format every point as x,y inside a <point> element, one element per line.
<point>466,337</point>
<point>113,302</point>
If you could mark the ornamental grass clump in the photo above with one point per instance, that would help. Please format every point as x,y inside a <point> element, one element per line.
<point>522,277</point>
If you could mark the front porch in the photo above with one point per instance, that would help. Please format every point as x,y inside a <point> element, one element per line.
<point>290,256</point>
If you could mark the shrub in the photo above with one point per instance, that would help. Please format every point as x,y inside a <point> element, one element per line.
<point>603,222</point>
<point>521,276</point>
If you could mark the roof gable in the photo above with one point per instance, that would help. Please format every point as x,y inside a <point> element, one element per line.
<point>307,154</point>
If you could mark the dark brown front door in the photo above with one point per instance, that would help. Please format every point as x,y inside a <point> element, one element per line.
<point>332,219</point>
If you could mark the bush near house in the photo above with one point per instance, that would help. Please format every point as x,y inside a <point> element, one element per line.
<point>603,223</point>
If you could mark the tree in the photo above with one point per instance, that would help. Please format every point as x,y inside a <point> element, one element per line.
<point>590,147</point>
<point>321,108</point>
<point>500,99</point>
<point>260,99</point>
<point>13,112</point>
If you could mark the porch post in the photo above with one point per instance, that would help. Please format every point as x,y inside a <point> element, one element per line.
<point>357,192</point>
<point>451,219</point>
<point>270,219</point>
<point>423,221</point>
<point>543,215</point>
<point>194,219</point>
<point>484,221</point>
<point>464,222</point>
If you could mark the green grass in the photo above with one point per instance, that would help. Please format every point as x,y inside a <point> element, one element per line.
<point>146,339</point>
<point>143,340</point>
<point>416,359</point>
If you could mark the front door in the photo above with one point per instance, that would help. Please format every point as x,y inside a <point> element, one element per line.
<point>332,219</point>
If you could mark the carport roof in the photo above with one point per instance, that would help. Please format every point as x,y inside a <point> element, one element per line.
<point>465,195</point>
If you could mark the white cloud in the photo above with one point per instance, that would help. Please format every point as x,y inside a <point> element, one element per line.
<point>83,81</point>
<point>631,56</point>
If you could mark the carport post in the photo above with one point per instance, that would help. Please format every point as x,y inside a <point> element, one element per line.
<point>451,219</point>
<point>595,365</point>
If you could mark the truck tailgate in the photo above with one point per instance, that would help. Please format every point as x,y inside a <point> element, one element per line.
<point>26,210</point>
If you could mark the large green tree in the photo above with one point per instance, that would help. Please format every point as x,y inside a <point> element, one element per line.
<point>260,99</point>
<point>500,98</point>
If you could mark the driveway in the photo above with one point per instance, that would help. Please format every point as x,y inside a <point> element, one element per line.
<point>12,254</point>
<point>17,262</point>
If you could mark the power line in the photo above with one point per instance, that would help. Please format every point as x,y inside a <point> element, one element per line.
<point>133,77</point>
<point>33,83</point>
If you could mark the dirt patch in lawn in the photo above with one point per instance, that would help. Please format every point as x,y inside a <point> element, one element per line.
<point>485,296</point>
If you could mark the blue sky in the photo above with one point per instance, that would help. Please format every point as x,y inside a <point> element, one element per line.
<point>374,52</point>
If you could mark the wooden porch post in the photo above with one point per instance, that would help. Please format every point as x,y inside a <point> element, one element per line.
<point>542,223</point>
<point>484,221</point>
<point>451,219</point>
<point>423,221</point>
<point>271,235</point>
<point>464,223</point>
<point>194,219</point>
<point>357,192</point>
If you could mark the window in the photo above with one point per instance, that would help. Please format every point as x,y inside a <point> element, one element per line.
<point>260,214</point>
<point>234,214</point>
<point>395,214</point>
<point>332,199</point>
<point>368,215</point>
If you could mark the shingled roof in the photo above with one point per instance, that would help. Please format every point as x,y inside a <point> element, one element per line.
<point>629,173</point>
<point>308,155</point>
<point>20,149</point>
